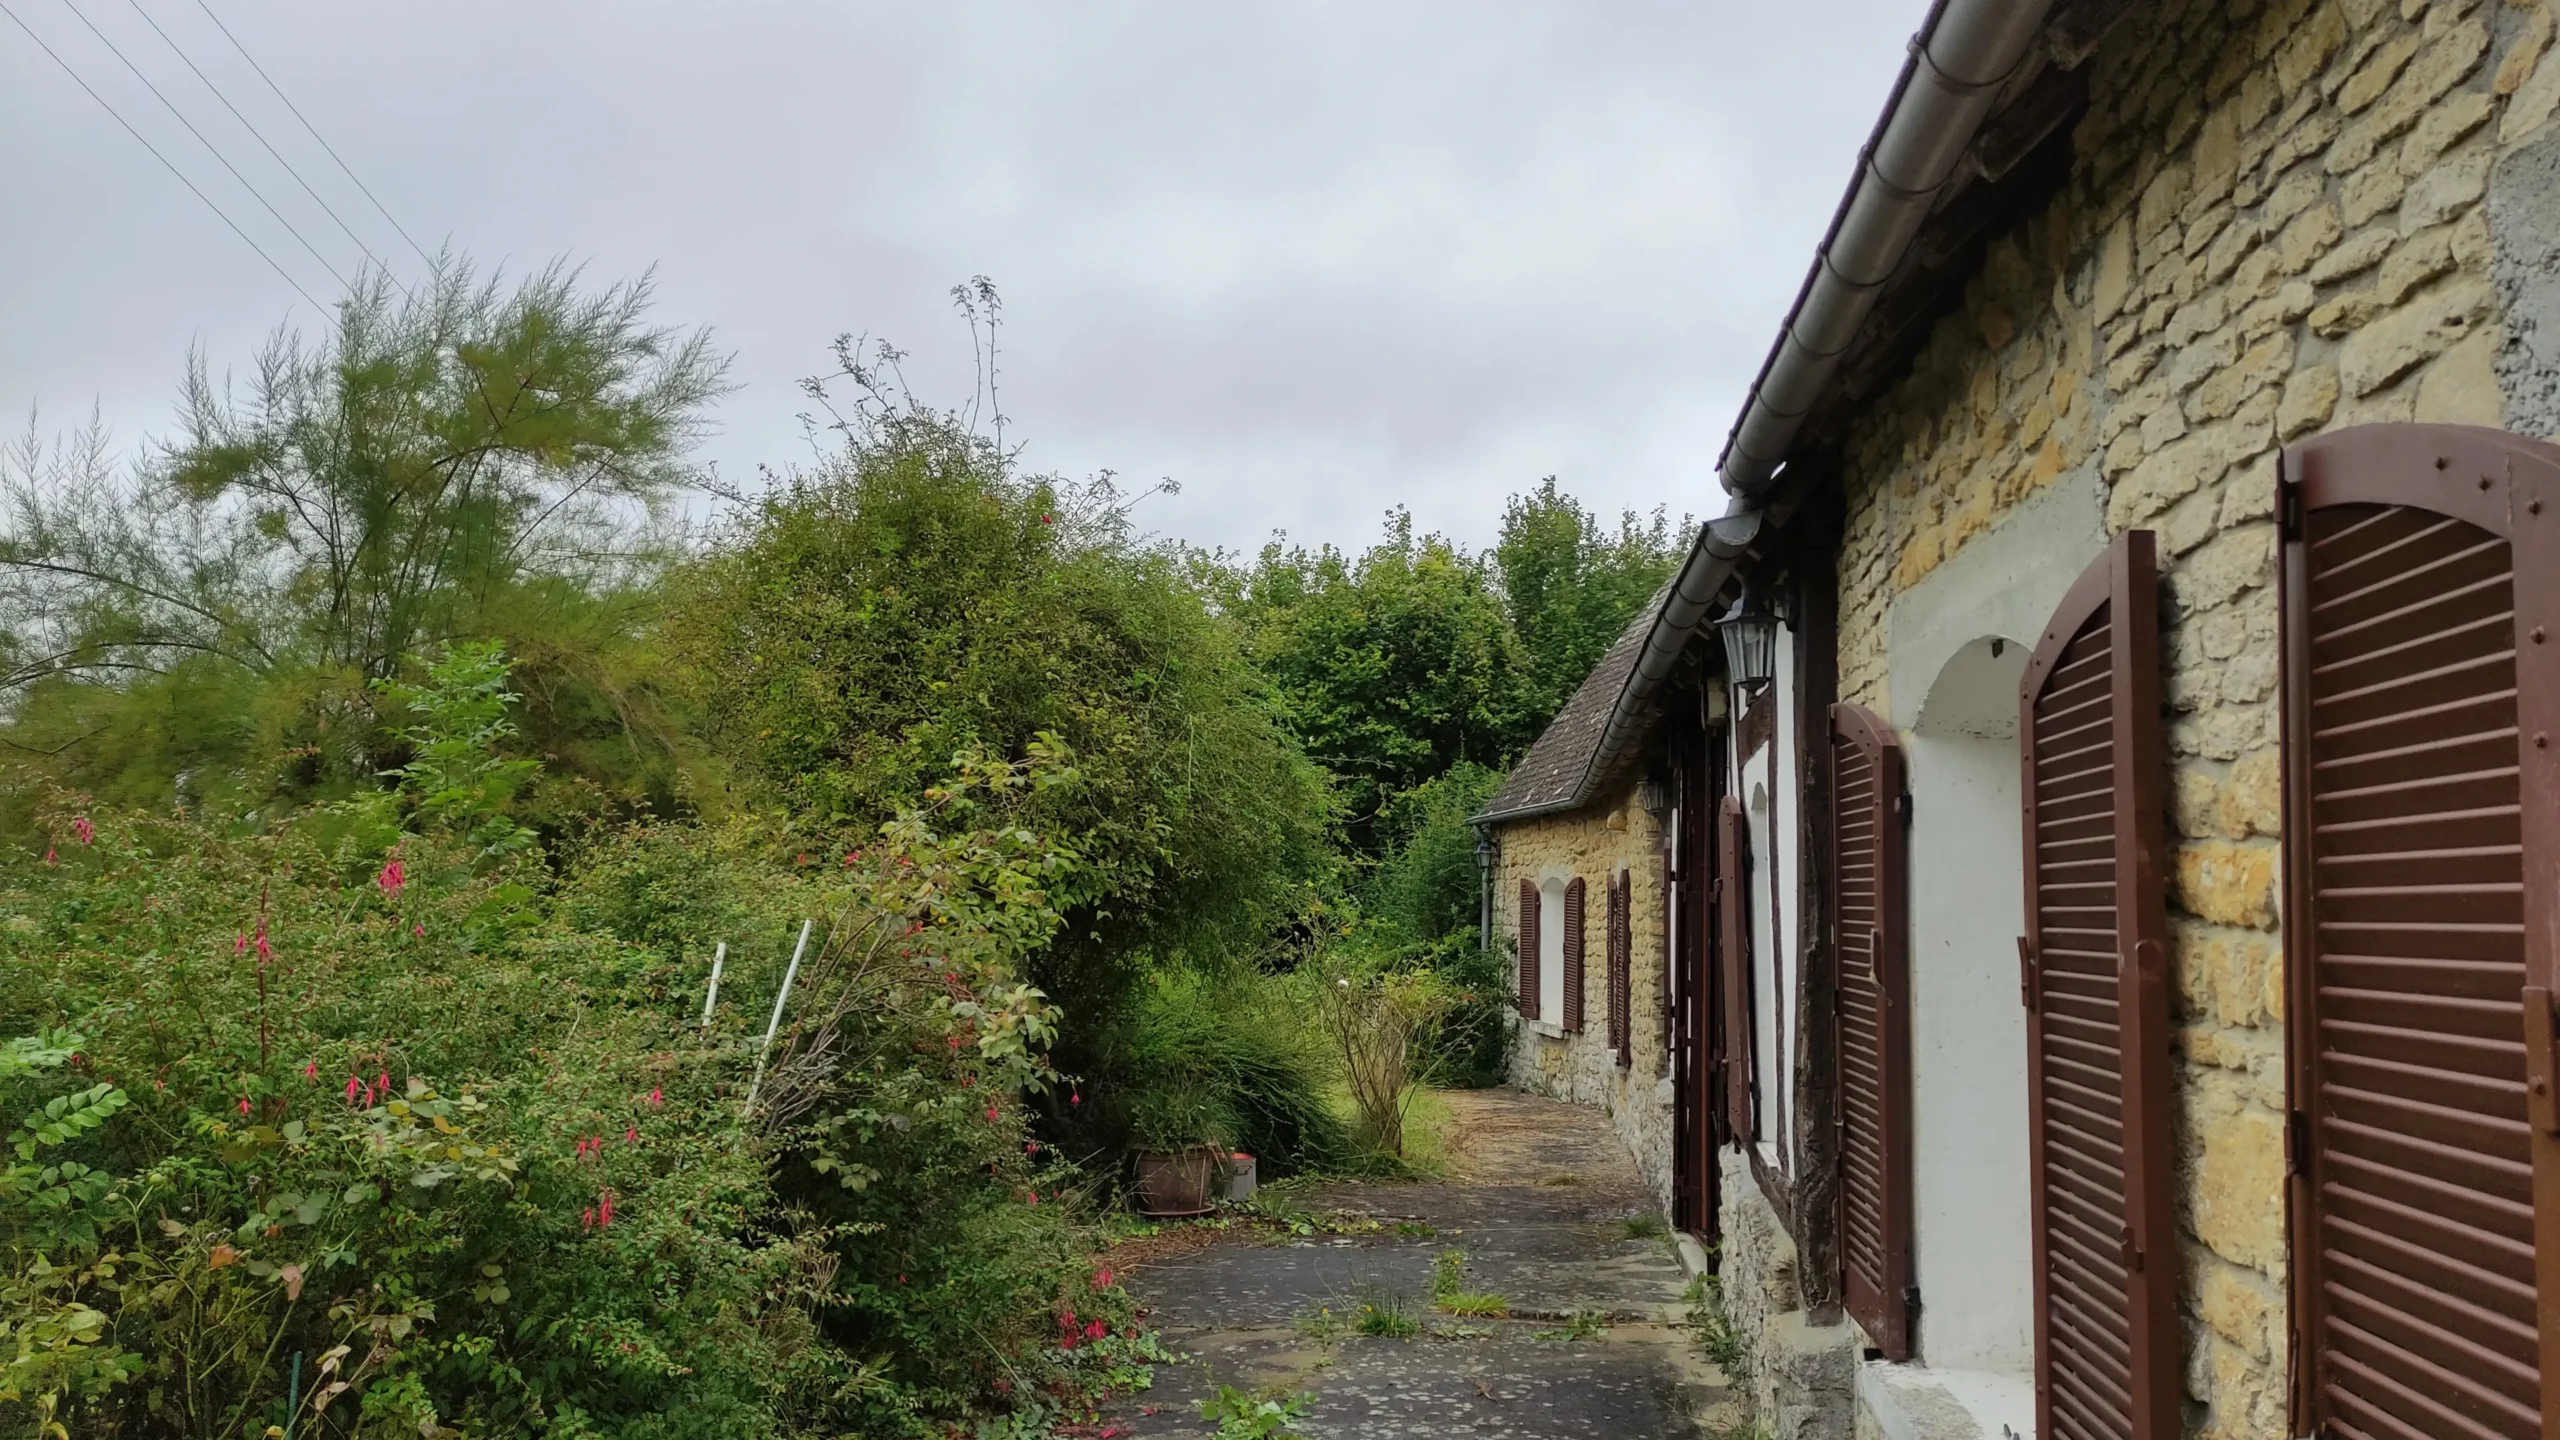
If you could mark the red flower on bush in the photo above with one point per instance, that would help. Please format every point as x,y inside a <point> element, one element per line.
<point>49,857</point>
<point>604,1209</point>
<point>84,830</point>
<point>1095,1330</point>
<point>240,944</point>
<point>656,1098</point>
<point>266,952</point>
<point>393,877</point>
<point>355,1090</point>
<point>991,1112</point>
<point>244,1104</point>
<point>311,1071</point>
<point>631,1135</point>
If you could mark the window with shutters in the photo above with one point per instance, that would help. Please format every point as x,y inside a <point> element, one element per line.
<point>1621,958</point>
<point>1733,972</point>
<point>1872,1013</point>
<point>1528,939</point>
<point>1576,931</point>
<point>2094,974</point>
<point>2420,598</point>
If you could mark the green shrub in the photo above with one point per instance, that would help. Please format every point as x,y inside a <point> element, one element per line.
<point>1242,1043</point>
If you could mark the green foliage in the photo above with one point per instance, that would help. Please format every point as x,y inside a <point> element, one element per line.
<point>465,461</point>
<point>915,593</point>
<point>1243,1416</point>
<point>1449,1292</point>
<point>496,1178</point>
<point>1393,665</point>
<point>1571,585</point>
<point>1232,1050</point>
<point>455,776</point>
<point>1580,1325</point>
<point>1386,1314</point>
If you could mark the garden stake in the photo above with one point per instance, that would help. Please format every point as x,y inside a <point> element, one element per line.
<point>712,996</point>
<point>293,1396</point>
<point>776,1022</point>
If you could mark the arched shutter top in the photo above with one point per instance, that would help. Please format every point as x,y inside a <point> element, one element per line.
<point>1528,946</point>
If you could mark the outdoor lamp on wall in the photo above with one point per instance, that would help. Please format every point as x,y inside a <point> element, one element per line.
<point>1750,631</point>
<point>1655,792</point>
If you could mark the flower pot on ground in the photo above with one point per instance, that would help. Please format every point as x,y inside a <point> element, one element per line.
<point>1177,1132</point>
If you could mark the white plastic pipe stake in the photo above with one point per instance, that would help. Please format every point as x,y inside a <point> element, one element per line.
<point>779,1000</point>
<point>712,996</point>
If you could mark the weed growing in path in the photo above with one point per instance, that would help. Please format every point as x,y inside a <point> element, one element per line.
<point>1243,1416</point>
<point>1386,1314</point>
<point>1716,1335</point>
<point>1580,1325</point>
<point>1449,1292</point>
<point>1643,1227</point>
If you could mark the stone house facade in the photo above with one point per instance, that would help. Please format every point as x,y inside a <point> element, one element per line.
<point>2122,375</point>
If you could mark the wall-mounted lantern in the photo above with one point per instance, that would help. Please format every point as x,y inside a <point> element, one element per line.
<point>1750,631</point>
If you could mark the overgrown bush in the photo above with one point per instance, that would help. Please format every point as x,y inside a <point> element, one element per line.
<point>361,1098</point>
<point>1242,1042</point>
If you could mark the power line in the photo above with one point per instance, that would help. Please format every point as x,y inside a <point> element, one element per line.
<point>261,138</point>
<point>163,159</point>
<point>207,144</point>
<point>307,125</point>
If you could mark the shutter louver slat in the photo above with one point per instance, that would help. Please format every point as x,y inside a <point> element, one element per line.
<point>1869,866</point>
<point>1528,946</point>
<point>1733,962</point>
<point>2100,1151</point>
<point>1573,921</point>
<point>2420,827</point>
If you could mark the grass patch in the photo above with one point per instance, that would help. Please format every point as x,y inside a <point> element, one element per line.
<point>1428,1124</point>
<point>1643,1227</point>
<point>1580,1325</point>
<point>1386,1314</point>
<point>1450,1295</point>
<point>1322,1322</point>
<point>1717,1336</point>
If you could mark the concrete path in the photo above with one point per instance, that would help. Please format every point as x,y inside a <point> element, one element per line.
<point>1552,1220</point>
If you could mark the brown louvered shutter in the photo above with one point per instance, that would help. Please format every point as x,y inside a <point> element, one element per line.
<point>1621,961</point>
<point>1528,947</point>
<point>2096,976</point>
<point>1874,1017</point>
<point>1733,964</point>
<point>1573,913</point>
<point>2422,831</point>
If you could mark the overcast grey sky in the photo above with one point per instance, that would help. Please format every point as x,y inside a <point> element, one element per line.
<point>1309,260</point>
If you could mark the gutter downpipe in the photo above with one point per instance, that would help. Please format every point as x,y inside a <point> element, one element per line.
<point>1965,52</point>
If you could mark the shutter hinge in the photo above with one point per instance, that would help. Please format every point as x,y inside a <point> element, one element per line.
<point>1911,1300</point>
<point>1902,806</point>
<point>2132,1252</point>
<point>2297,1142</point>
<point>2026,973</point>
<point>2288,508</point>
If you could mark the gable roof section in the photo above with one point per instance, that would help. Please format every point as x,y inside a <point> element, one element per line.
<point>1556,772</point>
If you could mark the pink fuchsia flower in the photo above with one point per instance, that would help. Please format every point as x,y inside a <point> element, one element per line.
<point>240,944</point>
<point>355,1090</point>
<point>1030,1147</point>
<point>418,932</point>
<point>587,1218</point>
<point>393,876</point>
<point>1034,1198</point>
<point>1102,1278</point>
<point>902,1279</point>
<point>84,830</point>
<point>244,1104</point>
<point>604,1208</point>
<point>49,858</point>
<point>311,1072</point>
<point>1076,1098</point>
<point>266,952</point>
<point>1095,1330</point>
<point>991,1112</point>
<point>631,1135</point>
<point>657,1098</point>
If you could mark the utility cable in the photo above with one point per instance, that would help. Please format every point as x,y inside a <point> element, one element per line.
<point>74,8</point>
<point>307,125</point>
<point>261,138</point>
<point>163,159</point>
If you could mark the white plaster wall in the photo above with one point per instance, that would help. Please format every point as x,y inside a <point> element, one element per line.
<point>1971,1239</point>
<point>1769,818</point>
<point>1955,702</point>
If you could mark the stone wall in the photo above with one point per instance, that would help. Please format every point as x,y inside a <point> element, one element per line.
<point>2284,217</point>
<point>1798,1374</point>
<point>1595,843</point>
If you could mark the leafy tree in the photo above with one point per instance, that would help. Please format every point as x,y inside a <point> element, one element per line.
<point>466,459</point>
<point>1393,665</point>
<point>1571,585</point>
<point>914,593</point>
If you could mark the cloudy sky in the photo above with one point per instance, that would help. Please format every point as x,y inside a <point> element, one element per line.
<point>1309,260</point>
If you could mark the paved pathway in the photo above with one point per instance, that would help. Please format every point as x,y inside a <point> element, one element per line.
<point>1552,1219</point>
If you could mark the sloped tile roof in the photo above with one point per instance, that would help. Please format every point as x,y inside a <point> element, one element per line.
<point>1555,773</point>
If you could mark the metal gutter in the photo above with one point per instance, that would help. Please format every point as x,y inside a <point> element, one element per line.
<point>1965,52</point>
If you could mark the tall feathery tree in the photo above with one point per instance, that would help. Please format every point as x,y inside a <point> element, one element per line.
<point>467,458</point>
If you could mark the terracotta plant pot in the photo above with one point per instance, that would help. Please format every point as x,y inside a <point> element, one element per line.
<point>1171,1185</point>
